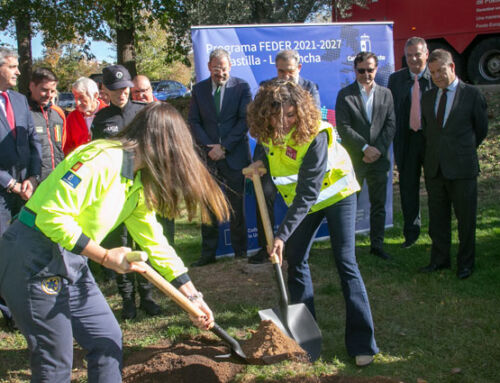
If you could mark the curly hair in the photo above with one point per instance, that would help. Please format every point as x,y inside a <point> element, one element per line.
<point>269,102</point>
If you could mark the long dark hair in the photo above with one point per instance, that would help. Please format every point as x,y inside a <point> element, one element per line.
<point>172,171</point>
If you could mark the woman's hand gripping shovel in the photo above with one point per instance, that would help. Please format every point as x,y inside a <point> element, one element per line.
<point>294,320</point>
<point>165,287</point>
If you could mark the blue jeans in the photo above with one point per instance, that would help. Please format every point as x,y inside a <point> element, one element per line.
<point>51,310</point>
<point>341,218</point>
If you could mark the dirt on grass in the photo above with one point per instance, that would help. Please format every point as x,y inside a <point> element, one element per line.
<point>199,360</point>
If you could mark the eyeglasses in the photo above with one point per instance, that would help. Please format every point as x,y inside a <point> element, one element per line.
<point>363,70</point>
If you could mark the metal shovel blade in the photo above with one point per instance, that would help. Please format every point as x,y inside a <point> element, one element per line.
<point>302,327</point>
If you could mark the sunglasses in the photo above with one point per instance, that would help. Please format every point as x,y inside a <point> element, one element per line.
<point>363,70</point>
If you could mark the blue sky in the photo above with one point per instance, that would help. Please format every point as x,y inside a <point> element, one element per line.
<point>102,51</point>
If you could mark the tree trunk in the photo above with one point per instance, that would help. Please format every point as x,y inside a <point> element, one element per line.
<point>125,32</point>
<point>23,33</point>
<point>125,49</point>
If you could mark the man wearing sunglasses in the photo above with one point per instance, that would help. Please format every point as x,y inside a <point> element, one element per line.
<point>364,112</point>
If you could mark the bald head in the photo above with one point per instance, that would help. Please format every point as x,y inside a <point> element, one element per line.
<point>142,90</point>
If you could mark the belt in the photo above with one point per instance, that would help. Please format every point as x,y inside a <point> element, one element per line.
<point>27,217</point>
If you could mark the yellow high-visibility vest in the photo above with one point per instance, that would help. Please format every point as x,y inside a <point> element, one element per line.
<point>285,160</point>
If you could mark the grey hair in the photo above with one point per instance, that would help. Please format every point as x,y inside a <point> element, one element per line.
<point>288,55</point>
<point>6,52</point>
<point>416,41</point>
<point>219,53</point>
<point>87,85</point>
<point>441,55</point>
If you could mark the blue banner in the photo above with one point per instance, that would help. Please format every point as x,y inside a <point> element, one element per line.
<point>327,53</point>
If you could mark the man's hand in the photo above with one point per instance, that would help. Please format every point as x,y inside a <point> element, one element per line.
<point>27,188</point>
<point>372,154</point>
<point>217,152</point>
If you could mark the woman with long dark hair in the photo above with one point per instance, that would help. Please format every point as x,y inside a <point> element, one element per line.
<point>150,167</point>
<point>314,175</point>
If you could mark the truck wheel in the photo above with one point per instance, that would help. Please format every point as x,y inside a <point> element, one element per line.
<point>484,62</point>
<point>457,58</point>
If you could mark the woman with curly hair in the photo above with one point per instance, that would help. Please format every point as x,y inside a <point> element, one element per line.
<point>314,175</point>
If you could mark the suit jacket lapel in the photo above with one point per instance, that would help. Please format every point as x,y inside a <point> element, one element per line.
<point>228,91</point>
<point>377,104</point>
<point>359,101</point>
<point>455,103</point>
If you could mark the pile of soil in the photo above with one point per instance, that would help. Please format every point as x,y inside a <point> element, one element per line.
<point>195,360</point>
<point>269,345</point>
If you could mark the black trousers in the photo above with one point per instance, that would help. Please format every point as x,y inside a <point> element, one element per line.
<point>409,184</point>
<point>10,205</point>
<point>377,194</point>
<point>233,183</point>
<point>460,194</point>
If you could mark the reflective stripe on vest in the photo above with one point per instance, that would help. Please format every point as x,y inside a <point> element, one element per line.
<point>339,180</point>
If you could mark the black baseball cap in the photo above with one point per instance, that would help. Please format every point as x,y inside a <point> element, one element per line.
<point>116,77</point>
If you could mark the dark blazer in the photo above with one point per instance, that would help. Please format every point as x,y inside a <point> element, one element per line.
<point>400,84</point>
<point>312,88</point>
<point>20,157</point>
<point>355,130</point>
<point>452,148</point>
<point>229,128</point>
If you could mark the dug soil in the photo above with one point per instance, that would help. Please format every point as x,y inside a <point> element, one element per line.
<point>199,360</point>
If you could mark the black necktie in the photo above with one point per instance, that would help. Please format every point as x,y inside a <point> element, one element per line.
<point>441,108</point>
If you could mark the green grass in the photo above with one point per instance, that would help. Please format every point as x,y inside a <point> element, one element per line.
<point>426,325</point>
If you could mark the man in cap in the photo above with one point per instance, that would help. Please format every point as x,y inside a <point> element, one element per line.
<point>107,123</point>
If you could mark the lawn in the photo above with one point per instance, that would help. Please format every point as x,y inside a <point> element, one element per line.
<point>430,328</point>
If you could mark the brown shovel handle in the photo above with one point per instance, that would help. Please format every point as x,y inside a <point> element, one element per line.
<point>264,214</point>
<point>166,288</point>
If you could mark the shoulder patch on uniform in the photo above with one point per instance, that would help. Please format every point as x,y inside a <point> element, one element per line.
<point>291,152</point>
<point>51,285</point>
<point>71,179</point>
<point>76,166</point>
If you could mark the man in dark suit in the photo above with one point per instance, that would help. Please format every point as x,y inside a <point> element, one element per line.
<point>407,85</point>
<point>217,117</point>
<point>20,149</point>
<point>454,122</point>
<point>288,67</point>
<point>366,123</point>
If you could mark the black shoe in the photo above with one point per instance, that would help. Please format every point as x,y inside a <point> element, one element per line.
<point>431,267</point>
<point>260,257</point>
<point>150,307</point>
<point>408,243</point>
<point>203,261</point>
<point>129,311</point>
<point>464,273</point>
<point>380,253</point>
<point>242,254</point>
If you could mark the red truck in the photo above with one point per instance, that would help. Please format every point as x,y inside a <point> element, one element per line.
<point>469,29</point>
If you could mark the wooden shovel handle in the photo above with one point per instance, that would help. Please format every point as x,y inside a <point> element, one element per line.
<point>264,214</point>
<point>166,288</point>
